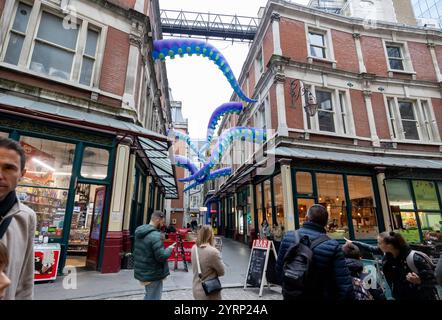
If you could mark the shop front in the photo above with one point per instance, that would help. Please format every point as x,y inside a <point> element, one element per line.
<point>415,208</point>
<point>244,215</point>
<point>76,182</point>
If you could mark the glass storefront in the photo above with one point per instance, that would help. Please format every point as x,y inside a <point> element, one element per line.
<point>95,163</point>
<point>415,208</point>
<point>268,202</point>
<point>259,212</point>
<point>349,199</point>
<point>45,186</point>
<point>331,195</point>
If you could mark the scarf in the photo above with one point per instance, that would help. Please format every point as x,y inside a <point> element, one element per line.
<point>7,204</point>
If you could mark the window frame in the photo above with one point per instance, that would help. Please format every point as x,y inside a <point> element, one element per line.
<point>405,53</point>
<point>85,23</point>
<point>395,125</point>
<point>328,43</point>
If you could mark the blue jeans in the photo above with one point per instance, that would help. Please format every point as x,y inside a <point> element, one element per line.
<point>154,290</point>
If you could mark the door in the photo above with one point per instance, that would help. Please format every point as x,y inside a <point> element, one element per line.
<point>93,251</point>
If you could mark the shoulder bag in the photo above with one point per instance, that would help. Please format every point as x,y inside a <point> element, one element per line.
<point>210,286</point>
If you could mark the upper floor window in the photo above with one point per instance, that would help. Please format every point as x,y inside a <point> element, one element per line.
<point>59,48</point>
<point>259,66</point>
<point>395,57</point>
<point>318,46</point>
<point>325,111</point>
<point>412,120</point>
<point>18,33</point>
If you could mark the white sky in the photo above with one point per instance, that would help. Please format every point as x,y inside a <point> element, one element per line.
<point>196,81</point>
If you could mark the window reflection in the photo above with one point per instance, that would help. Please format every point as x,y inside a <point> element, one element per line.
<point>303,206</point>
<point>268,202</point>
<point>304,183</point>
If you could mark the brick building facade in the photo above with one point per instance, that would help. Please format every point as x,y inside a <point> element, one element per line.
<point>372,152</point>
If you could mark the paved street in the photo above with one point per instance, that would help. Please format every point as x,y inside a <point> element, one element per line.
<point>94,285</point>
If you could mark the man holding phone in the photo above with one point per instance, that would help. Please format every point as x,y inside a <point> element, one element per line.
<point>150,256</point>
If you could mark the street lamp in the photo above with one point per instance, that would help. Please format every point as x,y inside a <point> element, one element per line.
<point>296,91</point>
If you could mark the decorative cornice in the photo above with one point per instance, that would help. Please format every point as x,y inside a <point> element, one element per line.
<point>367,93</point>
<point>356,35</point>
<point>285,162</point>
<point>275,17</point>
<point>279,78</point>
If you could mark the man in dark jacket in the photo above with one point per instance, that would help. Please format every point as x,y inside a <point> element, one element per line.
<point>150,257</point>
<point>335,282</point>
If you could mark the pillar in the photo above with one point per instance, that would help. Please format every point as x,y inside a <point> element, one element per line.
<point>371,119</point>
<point>113,243</point>
<point>357,37</point>
<point>146,200</point>
<point>287,194</point>
<point>280,104</point>
<point>380,177</point>
<point>276,36</point>
<point>431,46</point>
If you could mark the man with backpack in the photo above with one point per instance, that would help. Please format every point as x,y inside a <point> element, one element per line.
<point>310,265</point>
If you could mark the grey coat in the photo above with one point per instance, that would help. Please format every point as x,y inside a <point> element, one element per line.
<point>211,267</point>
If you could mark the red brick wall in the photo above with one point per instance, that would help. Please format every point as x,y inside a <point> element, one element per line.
<point>116,53</point>
<point>437,107</point>
<point>422,61</point>
<point>438,50</point>
<point>294,116</point>
<point>273,107</point>
<point>374,55</point>
<point>293,41</point>
<point>2,6</point>
<point>359,113</point>
<point>380,115</point>
<point>345,51</point>
<point>252,80</point>
<point>178,203</point>
<point>126,4</point>
<point>267,45</point>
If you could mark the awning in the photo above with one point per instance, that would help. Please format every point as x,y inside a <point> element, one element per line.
<point>157,154</point>
<point>73,116</point>
<point>375,160</point>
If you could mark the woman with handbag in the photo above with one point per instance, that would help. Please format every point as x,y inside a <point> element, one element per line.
<point>207,266</point>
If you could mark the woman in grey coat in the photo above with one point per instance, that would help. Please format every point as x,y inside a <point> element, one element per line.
<point>210,262</point>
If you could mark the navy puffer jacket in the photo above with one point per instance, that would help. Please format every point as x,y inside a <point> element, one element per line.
<point>327,258</point>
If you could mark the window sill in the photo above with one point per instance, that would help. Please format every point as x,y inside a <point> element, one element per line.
<point>330,134</point>
<point>58,80</point>
<point>312,58</point>
<point>391,72</point>
<point>428,143</point>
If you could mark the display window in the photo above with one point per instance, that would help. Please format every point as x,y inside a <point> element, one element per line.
<point>331,195</point>
<point>304,184</point>
<point>303,206</point>
<point>268,202</point>
<point>258,193</point>
<point>45,186</point>
<point>363,210</point>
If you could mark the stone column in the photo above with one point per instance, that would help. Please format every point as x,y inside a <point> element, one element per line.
<point>287,194</point>
<point>113,243</point>
<point>371,119</point>
<point>380,177</point>
<point>280,104</point>
<point>431,47</point>
<point>132,67</point>
<point>276,36</point>
<point>357,37</point>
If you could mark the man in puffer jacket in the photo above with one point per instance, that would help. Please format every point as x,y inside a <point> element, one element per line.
<point>328,260</point>
<point>150,257</point>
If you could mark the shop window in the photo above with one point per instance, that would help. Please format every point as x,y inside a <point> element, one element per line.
<point>399,194</point>
<point>304,183</point>
<point>425,194</point>
<point>4,134</point>
<point>18,33</point>
<point>363,207</point>
<point>258,193</point>
<point>279,201</point>
<point>95,163</point>
<point>406,225</point>
<point>268,202</point>
<point>331,195</point>
<point>303,206</point>
<point>430,222</point>
<point>45,186</point>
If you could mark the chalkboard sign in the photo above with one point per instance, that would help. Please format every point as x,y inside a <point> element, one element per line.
<point>256,268</point>
<point>259,258</point>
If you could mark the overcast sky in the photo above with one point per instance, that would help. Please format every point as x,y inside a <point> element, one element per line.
<point>196,81</point>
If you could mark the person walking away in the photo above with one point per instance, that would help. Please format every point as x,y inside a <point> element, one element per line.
<point>210,261</point>
<point>4,280</point>
<point>150,257</point>
<point>322,266</point>
<point>17,223</point>
<point>409,273</point>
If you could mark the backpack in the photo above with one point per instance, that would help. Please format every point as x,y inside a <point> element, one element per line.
<point>298,279</point>
<point>412,266</point>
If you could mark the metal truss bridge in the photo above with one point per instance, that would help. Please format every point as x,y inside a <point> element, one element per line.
<point>208,25</point>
